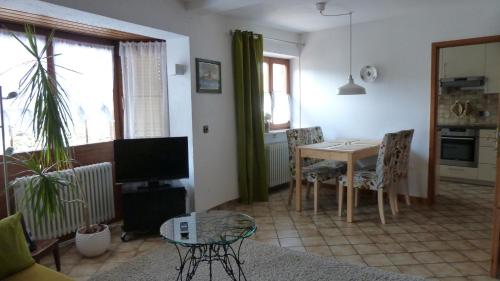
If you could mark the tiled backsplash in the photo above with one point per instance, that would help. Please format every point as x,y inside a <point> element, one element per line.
<point>486,103</point>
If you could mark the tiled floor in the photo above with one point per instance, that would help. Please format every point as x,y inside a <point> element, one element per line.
<point>449,241</point>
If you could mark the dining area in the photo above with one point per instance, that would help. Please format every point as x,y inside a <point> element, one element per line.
<point>353,165</point>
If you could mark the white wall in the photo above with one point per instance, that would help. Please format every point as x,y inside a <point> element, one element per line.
<point>401,50</point>
<point>215,164</point>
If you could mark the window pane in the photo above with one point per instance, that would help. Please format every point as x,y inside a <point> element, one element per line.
<point>265,72</point>
<point>281,110</point>
<point>85,71</point>
<point>267,104</point>
<point>15,61</point>
<point>279,78</point>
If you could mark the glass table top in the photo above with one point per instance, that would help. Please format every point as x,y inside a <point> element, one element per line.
<point>210,227</point>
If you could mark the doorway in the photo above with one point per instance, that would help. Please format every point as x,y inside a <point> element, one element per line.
<point>468,152</point>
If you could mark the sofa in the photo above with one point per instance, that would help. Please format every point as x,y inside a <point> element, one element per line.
<point>16,262</point>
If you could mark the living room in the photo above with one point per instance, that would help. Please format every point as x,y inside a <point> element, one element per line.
<point>316,48</point>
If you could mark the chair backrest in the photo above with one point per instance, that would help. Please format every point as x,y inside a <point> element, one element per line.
<point>298,137</point>
<point>405,139</point>
<point>386,163</point>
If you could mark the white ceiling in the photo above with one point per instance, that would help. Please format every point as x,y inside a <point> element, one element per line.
<point>302,16</point>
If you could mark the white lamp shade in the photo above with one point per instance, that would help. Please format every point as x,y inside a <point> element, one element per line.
<point>351,88</point>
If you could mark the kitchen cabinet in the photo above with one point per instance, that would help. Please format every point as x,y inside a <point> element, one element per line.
<point>486,170</point>
<point>463,61</point>
<point>492,68</point>
<point>458,172</point>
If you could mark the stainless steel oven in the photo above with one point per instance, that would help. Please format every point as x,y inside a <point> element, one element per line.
<point>459,147</point>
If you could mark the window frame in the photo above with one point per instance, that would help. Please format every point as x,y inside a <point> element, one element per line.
<point>86,38</point>
<point>285,62</point>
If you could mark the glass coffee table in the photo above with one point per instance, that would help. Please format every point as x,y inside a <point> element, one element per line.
<point>209,237</point>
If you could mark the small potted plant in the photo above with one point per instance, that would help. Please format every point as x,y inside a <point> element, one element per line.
<point>267,122</point>
<point>51,120</point>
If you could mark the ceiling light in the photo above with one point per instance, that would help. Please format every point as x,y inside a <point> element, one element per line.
<point>350,88</point>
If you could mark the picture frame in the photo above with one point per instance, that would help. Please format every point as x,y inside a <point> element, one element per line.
<point>208,76</point>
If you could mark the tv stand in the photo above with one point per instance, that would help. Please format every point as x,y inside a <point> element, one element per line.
<point>146,207</point>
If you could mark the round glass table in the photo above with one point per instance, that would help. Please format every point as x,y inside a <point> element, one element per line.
<point>209,237</point>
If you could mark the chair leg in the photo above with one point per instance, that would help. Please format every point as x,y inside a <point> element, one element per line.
<point>356,197</point>
<point>308,187</point>
<point>390,193</point>
<point>290,192</point>
<point>316,190</point>
<point>381,205</point>
<point>340,197</point>
<point>407,187</point>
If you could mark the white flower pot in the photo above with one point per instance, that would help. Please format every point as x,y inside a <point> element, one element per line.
<point>93,244</point>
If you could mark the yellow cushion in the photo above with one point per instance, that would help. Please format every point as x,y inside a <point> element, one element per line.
<point>38,272</point>
<point>14,253</point>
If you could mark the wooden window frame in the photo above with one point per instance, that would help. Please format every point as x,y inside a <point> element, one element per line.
<point>286,62</point>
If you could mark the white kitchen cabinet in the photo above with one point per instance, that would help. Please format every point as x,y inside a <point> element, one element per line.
<point>492,68</point>
<point>487,172</point>
<point>463,61</point>
<point>458,172</point>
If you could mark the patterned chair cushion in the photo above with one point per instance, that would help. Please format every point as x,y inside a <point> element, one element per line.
<point>313,169</point>
<point>323,171</point>
<point>404,146</point>
<point>384,170</point>
<point>363,179</point>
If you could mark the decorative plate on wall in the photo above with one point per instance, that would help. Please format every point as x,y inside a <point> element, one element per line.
<point>368,73</point>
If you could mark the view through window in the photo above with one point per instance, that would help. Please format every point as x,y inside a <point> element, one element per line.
<point>277,92</point>
<point>84,70</point>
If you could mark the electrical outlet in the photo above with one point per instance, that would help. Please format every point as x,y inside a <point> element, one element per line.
<point>205,129</point>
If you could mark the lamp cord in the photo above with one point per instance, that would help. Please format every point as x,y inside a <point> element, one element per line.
<point>350,44</point>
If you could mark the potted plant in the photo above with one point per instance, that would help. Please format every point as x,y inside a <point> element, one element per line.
<point>51,121</point>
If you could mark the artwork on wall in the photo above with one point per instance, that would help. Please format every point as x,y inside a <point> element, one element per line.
<point>208,76</point>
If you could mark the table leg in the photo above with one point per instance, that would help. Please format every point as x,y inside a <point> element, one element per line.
<point>350,188</point>
<point>298,180</point>
<point>57,257</point>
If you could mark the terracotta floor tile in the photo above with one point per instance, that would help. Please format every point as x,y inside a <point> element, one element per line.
<point>427,257</point>
<point>376,260</point>
<point>320,250</point>
<point>402,259</point>
<point>364,249</point>
<point>418,270</point>
<point>288,242</point>
<point>469,268</point>
<point>443,270</point>
<point>343,250</point>
<point>451,256</point>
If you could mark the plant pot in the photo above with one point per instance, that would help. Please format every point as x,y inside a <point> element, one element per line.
<point>93,244</point>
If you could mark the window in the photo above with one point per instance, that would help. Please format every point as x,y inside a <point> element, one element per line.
<point>84,70</point>
<point>277,92</point>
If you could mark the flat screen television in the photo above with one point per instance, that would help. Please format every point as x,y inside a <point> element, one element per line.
<point>151,159</point>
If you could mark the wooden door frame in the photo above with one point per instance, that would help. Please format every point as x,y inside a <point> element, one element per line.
<point>433,157</point>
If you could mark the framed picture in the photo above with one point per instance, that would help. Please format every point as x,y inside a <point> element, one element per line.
<point>208,76</point>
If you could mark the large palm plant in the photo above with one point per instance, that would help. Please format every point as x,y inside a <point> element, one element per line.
<point>51,121</point>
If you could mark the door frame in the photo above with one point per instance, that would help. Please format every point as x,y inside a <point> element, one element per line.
<point>433,157</point>
<point>433,149</point>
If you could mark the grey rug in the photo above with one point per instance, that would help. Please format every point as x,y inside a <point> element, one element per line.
<point>262,262</point>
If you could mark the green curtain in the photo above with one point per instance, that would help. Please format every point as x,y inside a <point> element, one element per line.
<point>248,55</point>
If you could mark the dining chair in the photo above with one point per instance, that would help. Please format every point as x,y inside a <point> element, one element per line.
<point>400,179</point>
<point>380,179</point>
<point>315,171</point>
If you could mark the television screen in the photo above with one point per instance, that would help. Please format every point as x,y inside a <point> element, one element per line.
<point>151,159</point>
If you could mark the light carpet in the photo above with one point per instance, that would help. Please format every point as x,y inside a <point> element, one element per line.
<point>262,262</point>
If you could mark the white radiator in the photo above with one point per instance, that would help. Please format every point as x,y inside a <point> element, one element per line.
<point>97,183</point>
<point>277,163</point>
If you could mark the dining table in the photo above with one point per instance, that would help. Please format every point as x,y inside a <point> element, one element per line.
<point>345,150</point>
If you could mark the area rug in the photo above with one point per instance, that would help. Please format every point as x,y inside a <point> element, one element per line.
<point>262,262</point>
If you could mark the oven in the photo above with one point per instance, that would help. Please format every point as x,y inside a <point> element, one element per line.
<point>459,147</point>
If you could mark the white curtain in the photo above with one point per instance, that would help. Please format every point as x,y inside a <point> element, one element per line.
<point>144,72</point>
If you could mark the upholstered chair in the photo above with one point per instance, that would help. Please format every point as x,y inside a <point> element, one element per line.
<point>314,171</point>
<point>404,150</point>
<point>380,179</point>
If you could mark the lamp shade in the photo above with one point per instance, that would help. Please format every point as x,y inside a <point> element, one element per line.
<point>351,88</point>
